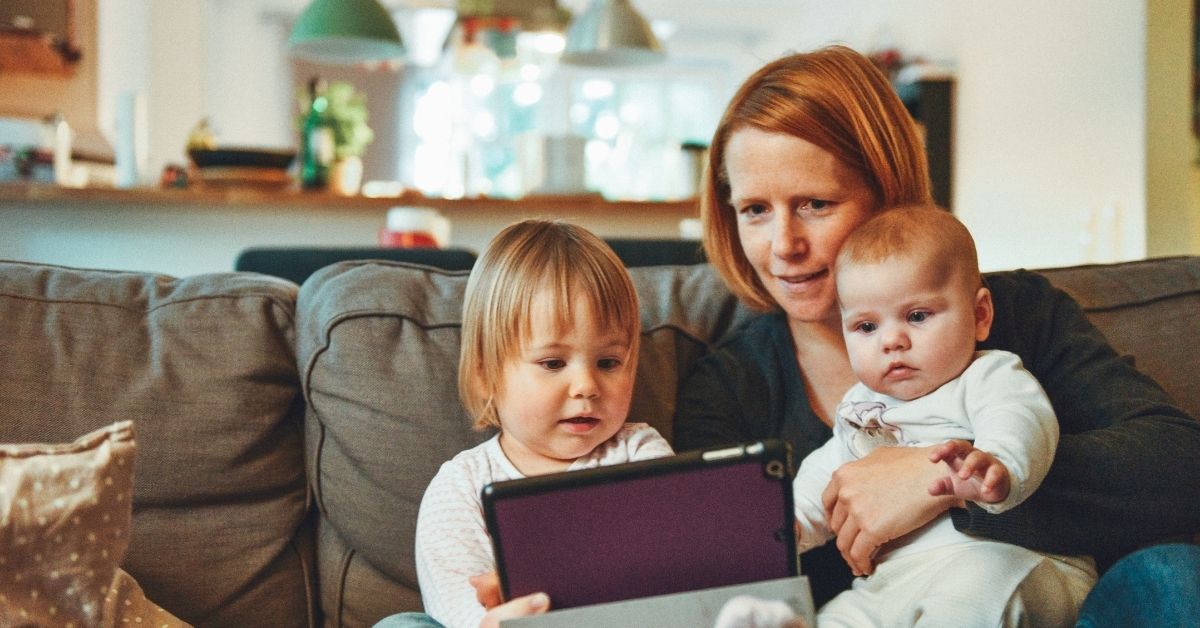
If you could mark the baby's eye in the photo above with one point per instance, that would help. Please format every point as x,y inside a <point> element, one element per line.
<point>918,317</point>
<point>866,327</point>
<point>609,364</point>
<point>553,364</point>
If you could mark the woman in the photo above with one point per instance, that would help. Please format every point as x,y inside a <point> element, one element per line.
<point>810,147</point>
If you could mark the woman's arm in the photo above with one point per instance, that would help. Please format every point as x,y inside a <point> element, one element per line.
<point>748,388</point>
<point>1126,471</point>
<point>709,407</point>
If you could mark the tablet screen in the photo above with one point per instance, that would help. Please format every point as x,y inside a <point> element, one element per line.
<point>692,521</point>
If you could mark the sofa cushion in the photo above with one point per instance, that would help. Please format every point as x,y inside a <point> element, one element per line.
<point>66,510</point>
<point>378,348</point>
<point>204,367</point>
<point>1148,309</point>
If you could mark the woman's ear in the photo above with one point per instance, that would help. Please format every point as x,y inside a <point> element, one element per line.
<point>983,314</point>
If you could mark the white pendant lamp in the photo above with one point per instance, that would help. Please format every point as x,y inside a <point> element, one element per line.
<point>345,32</point>
<point>611,33</point>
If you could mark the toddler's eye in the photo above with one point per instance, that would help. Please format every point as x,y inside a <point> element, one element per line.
<point>553,364</point>
<point>918,317</point>
<point>609,364</point>
<point>866,327</point>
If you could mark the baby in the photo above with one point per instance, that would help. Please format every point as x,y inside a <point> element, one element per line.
<point>913,307</point>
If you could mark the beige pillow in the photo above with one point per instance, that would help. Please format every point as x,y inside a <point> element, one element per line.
<point>64,528</point>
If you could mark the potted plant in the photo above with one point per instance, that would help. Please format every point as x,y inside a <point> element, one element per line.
<point>344,113</point>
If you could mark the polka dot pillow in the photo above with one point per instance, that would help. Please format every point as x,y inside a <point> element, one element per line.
<point>65,513</point>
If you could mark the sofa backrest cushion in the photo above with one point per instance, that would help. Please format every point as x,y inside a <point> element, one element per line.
<point>378,348</point>
<point>205,368</point>
<point>1148,309</point>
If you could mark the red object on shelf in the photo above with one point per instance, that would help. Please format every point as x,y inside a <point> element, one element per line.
<point>389,239</point>
<point>415,228</point>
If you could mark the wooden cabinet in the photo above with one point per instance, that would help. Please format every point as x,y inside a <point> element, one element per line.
<point>38,37</point>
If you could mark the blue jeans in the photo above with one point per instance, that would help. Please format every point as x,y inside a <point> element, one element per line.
<point>1157,586</point>
<point>408,620</point>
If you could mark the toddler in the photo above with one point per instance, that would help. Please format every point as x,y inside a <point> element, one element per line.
<point>549,352</point>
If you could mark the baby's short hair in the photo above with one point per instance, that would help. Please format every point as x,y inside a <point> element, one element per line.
<point>525,260</point>
<point>922,231</point>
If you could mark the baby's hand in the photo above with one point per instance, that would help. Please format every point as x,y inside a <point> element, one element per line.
<point>976,475</point>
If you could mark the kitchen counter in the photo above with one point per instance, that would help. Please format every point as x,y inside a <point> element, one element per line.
<point>184,232</point>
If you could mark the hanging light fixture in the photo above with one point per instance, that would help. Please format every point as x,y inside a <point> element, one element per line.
<point>345,32</point>
<point>611,33</point>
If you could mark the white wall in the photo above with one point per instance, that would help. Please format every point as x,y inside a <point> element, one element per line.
<point>253,105</point>
<point>1052,132</point>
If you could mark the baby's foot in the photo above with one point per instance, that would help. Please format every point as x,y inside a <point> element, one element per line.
<point>746,611</point>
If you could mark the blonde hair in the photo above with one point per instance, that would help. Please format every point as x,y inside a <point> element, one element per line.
<point>524,262</point>
<point>836,99</point>
<point>923,232</point>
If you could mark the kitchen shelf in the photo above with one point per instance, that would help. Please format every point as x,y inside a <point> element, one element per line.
<point>40,193</point>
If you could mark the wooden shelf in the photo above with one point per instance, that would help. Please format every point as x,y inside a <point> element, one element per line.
<point>40,194</point>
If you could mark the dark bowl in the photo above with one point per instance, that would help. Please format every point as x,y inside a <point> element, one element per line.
<point>242,157</point>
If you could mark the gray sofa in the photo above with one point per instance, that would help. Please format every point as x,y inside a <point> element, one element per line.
<point>285,435</point>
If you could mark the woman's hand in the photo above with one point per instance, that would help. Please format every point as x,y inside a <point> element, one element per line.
<point>487,591</point>
<point>879,498</point>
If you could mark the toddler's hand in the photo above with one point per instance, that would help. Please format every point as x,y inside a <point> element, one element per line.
<point>976,475</point>
<point>487,591</point>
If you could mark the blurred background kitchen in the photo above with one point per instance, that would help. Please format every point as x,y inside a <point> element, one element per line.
<point>1071,123</point>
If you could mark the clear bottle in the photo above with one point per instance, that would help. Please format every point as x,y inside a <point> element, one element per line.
<point>316,139</point>
<point>61,137</point>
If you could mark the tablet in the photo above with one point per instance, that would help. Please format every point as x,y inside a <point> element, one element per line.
<point>693,521</point>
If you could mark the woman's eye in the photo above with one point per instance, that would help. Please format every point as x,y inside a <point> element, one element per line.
<point>817,204</point>
<point>608,364</point>
<point>752,210</point>
<point>918,317</point>
<point>553,364</point>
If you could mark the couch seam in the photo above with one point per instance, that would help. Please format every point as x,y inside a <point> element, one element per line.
<point>308,582</point>
<point>266,297</point>
<point>362,313</point>
<point>310,366</point>
<point>1138,302</point>
<point>341,591</point>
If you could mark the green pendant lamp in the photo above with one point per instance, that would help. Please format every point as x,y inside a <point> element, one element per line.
<point>611,33</point>
<point>345,32</point>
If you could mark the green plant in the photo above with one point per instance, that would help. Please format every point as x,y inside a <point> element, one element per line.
<point>346,109</point>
